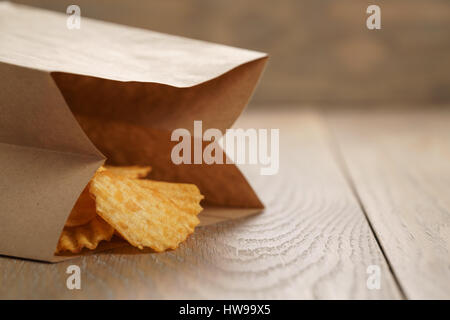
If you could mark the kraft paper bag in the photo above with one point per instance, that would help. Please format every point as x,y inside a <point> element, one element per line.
<point>72,99</point>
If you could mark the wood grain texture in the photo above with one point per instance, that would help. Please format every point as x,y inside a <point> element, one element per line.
<point>312,241</point>
<point>400,166</point>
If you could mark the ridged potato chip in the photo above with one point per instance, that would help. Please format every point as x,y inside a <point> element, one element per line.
<point>130,171</point>
<point>144,216</point>
<point>185,196</point>
<point>83,211</point>
<point>74,239</point>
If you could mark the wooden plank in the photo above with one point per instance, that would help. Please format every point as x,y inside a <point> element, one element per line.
<point>400,166</point>
<point>312,241</point>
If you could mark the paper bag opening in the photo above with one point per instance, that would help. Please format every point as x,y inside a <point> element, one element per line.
<point>131,124</point>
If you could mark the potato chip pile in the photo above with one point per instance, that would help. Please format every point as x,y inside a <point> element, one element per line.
<point>153,214</point>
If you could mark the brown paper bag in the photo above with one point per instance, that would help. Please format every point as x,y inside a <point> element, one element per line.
<point>71,99</point>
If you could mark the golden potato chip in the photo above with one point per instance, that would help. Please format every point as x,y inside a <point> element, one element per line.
<point>143,216</point>
<point>83,211</point>
<point>130,171</point>
<point>74,239</point>
<point>185,196</point>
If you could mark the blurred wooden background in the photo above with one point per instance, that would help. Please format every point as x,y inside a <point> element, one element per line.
<point>321,51</point>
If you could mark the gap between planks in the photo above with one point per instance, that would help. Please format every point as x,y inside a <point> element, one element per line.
<point>399,163</point>
<point>334,146</point>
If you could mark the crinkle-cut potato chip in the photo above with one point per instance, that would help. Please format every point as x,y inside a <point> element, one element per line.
<point>143,216</point>
<point>185,196</point>
<point>74,239</point>
<point>134,172</point>
<point>83,211</point>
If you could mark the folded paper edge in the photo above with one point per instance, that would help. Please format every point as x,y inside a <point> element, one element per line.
<point>251,55</point>
<point>264,56</point>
